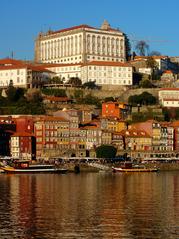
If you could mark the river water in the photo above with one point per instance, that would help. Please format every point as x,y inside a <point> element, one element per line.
<point>90,205</point>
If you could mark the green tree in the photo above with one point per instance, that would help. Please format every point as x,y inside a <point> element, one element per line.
<point>75,81</point>
<point>91,100</point>
<point>106,151</point>
<point>90,85</point>
<point>108,99</point>
<point>134,100</point>
<point>55,92</point>
<point>127,47</point>
<point>143,99</point>
<point>56,80</point>
<point>151,63</point>
<point>11,92</point>
<point>145,82</point>
<point>78,95</point>
<point>142,47</point>
<point>14,94</point>
<point>147,99</point>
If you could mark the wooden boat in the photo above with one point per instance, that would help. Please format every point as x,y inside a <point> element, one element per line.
<point>25,167</point>
<point>129,167</point>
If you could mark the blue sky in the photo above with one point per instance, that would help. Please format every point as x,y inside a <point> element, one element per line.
<point>21,20</point>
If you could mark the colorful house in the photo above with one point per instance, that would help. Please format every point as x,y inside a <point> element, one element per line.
<point>138,143</point>
<point>23,146</point>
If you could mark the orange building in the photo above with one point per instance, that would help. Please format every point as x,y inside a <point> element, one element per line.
<point>115,109</point>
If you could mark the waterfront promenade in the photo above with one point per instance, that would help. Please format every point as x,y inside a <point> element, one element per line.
<point>98,164</point>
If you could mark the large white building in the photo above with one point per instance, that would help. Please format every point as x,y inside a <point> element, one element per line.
<point>81,44</point>
<point>107,73</point>
<point>103,73</point>
<point>21,74</point>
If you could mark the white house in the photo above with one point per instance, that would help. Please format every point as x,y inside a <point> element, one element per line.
<point>169,97</point>
<point>21,74</point>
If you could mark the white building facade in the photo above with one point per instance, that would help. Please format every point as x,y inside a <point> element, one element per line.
<point>20,74</point>
<point>80,44</point>
<point>107,73</point>
<point>65,71</point>
<point>169,97</point>
<point>103,73</point>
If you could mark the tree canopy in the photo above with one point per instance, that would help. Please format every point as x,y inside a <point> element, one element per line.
<point>90,85</point>
<point>110,98</point>
<point>151,63</point>
<point>127,47</point>
<point>145,83</point>
<point>55,92</point>
<point>56,80</point>
<point>106,151</point>
<point>143,99</point>
<point>75,81</point>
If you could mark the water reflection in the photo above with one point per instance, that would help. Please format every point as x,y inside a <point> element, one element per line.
<point>90,205</point>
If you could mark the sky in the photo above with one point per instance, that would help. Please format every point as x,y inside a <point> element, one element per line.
<point>155,21</point>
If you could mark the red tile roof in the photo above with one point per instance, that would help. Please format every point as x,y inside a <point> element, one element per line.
<point>72,28</point>
<point>168,72</point>
<point>81,27</point>
<point>175,123</point>
<point>171,99</point>
<point>172,89</point>
<point>10,61</point>
<point>166,124</point>
<point>24,66</point>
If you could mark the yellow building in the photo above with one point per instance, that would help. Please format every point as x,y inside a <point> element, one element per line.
<point>113,124</point>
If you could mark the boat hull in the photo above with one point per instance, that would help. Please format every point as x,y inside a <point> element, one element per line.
<point>134,170</point>
<point>12,170</point>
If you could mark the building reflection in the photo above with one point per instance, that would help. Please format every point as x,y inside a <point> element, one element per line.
<point>89,205</point>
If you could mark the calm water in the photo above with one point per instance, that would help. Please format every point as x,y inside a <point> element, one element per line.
<point>90,205</point>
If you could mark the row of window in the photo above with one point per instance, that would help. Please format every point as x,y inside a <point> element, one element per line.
<point>11,73</point>
<point>173,102</point>
<point>72,68</point>
<point>114,82</point>
<point>95,74</point>
<point>48,60</point>
<point>56,54</point>
<point>5,83</point>
<point>70,40</point>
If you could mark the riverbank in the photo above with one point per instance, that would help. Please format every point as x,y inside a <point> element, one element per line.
<point>83,167</point>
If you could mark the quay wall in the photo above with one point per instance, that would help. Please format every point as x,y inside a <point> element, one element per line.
<point>164,166</point>
<point>70,164</point>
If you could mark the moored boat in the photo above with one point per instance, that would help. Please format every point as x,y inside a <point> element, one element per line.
<point>25,167</point>
<point>129,167</point>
